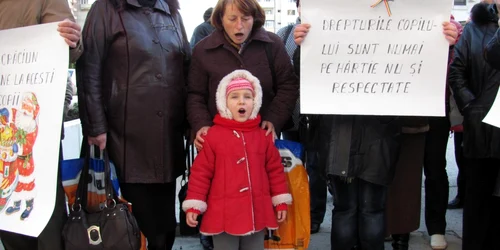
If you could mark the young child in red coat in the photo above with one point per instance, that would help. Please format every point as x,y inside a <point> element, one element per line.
<point>237,179</point>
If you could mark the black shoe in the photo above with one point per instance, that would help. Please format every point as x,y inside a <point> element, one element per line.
<point>400,241</point>
<point>206,242</point>
<point>315,228</point>
<point>456,203</point>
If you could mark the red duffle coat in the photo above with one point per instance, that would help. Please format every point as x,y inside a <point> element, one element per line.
<point>237,179</point>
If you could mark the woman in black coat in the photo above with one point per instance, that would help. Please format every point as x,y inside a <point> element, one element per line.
<point>475,85</point>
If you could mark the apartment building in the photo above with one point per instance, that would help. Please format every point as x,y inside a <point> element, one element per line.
<point>279,13</point>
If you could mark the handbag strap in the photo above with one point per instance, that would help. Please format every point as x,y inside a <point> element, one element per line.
<point>81,191</point>
<point>189,160</point>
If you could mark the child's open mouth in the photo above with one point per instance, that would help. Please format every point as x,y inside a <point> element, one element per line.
<point>242,111</point>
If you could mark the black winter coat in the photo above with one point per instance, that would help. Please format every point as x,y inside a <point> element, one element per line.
<point>475,84</point>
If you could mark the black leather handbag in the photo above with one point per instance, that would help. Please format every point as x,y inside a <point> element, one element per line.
<point>112,228</point>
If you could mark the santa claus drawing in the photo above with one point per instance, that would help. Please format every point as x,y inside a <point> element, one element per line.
<point>25,123</point>
<point>9,177</point>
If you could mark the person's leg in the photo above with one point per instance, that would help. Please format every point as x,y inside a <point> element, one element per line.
<point>459,157</point>
<point>15,241</point>
<point>206,242</point>
<point>371,215</point>
<point>142,207</point>
<point>225,241</point>
<point>344,234</point>
<point>493,242</point>
<point>253,242</point>
<point>479,208</point>
<point>51,236</point>
<point>154,213</point>
<point>400,241</point>
<point>167,223</point>
<point>317,190</point>
<point>458,201</point>
<point>436,178</point>
<point>317,185</point>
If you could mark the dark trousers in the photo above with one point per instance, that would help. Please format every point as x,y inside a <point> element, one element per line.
<point>358,216</point>
<point>153,206</point>
<point>317,185</point>
<point>436,178</point>
<point>458,138</point>
<point>51,236</point>
<point>481,225</point>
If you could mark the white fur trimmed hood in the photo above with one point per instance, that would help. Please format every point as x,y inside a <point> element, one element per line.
<point>220,96</point>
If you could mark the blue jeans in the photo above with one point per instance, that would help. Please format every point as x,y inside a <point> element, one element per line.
<point>358,216</point>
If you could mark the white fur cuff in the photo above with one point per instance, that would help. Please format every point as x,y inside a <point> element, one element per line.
<point>196,204</point>
<point>282,198</point>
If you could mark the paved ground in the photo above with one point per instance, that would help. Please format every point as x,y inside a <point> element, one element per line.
<point>419,239</point>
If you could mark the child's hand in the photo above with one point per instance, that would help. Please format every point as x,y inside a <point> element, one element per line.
<point>281,216</point>
<point>191,219</point>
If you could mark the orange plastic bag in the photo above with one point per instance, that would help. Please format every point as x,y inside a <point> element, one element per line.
<point>295,231</point>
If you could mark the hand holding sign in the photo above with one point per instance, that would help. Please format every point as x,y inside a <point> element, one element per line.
<point>71,32</point>
<point>300,32</point>
<point>450,32</point>
<point>359,60</point>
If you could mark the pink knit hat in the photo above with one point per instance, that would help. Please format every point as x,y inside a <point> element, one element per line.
<point>239,83</point>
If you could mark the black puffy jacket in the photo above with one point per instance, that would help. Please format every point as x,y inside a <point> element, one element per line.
<point>475,84</point>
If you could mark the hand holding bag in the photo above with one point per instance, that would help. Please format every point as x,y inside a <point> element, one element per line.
<point>112,228</point>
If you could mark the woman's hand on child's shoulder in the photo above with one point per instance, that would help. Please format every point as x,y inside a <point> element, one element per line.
<point>198,141</point>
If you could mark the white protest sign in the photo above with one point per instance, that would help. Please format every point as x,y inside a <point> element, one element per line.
<point>33,74</point>
<point>356,59</point>
<point>493,116</point>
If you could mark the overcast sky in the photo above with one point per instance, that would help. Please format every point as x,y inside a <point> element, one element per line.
<point>192,13</point>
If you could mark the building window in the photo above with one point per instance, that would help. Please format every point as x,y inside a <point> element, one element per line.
<point>269,24</point>
<point>84,1</point>
<point>269,12</point>
<point>460,2</point>
<point>267,0</point>
<point>291,12</point>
